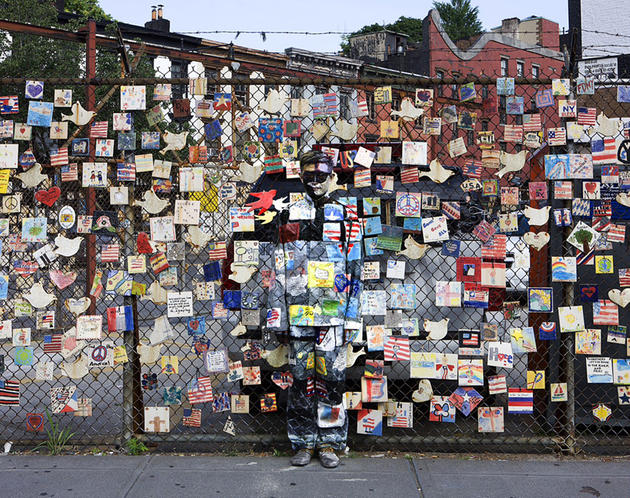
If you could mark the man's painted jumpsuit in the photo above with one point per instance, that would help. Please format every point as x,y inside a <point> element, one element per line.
<point>315,297</point>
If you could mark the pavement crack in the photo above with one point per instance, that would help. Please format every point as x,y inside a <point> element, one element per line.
<point>416,476</point>
<point>136,475</point>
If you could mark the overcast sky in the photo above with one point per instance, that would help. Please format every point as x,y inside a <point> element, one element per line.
<point>322,15</point>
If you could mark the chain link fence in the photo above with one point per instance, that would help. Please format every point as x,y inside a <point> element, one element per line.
<point>153,192</point>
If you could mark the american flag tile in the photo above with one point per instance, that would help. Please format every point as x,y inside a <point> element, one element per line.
<point>604,151</point>
<point>605,312</point>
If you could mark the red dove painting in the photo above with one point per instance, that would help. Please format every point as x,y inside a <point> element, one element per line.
<point>264,202</point>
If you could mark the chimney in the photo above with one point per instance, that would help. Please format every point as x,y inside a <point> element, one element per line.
<point>509,27</point>
<point>157,22</point>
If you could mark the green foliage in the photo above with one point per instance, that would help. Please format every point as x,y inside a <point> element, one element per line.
<point>583,236</point>
<point>459,19</point>
<point>36,57</point>
<point>136,447</point>
<point>57,438</point>
<point>24,55</point>
<point>86,8</point>
<point>411,26</point>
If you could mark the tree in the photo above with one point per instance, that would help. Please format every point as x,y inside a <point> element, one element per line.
<point>459,19</point>
<point>583,237</point>
<point>411,26</point>
<point>24,55</point>
<point>86,8</point>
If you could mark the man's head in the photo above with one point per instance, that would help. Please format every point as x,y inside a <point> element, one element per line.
<point>316,170</point>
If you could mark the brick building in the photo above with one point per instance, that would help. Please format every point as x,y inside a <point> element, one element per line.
<point>527,48</point>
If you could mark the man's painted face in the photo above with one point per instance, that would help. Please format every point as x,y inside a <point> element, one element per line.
<point>316,179</point>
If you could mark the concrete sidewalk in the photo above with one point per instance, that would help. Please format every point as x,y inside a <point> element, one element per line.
<point>169,475</point>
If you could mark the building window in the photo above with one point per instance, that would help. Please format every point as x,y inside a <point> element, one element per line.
<point>502,118</point>
<point>297,92</point>
<point>520,69</point>
<point>502,101</point>
<point>454,91</point>
<point>518,119</point>
<point>471,138</point>
<point>396,103</point>
<point>535,72</point>
<point>440,89</point>
<point>241,93</point>
<point>532,105</point>
<point>504,66</point>
<point>484,125</point>
<point>179,69</point>
<point>320,90</point>
<point>369,99</point>
<point>485,92</point>
<point>211,89</point>
<point>344,105</point>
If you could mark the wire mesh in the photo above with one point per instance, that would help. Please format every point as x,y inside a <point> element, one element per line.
<point>226,140</point>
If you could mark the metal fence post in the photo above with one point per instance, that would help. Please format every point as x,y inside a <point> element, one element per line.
<point>568,340</point>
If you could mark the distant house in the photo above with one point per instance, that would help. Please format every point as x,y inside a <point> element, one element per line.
<point>527,48</point>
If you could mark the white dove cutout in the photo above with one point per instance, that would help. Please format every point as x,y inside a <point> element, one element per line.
<point>273,103</point>
<point>151,203</point>
<point>155,293</point>
<point>537,217</point>
<point>511,162</point>
<point>174,141</point>
<point>413,249</point>
<point>606,126</point>
<point>241,274</point>
<point>38,297</point>
<point>352,356</point>
<point>281,204</point>
<point>77,369</point>
<point>67,247</point>
<point>77,306</point>
<point>79,115</point>
<point>240,329</point>
<point>149,354</point>
<point>334,185</point>
<point>623,198</point>
<point>345,130</point>
<point>437,172</point>
<point>536,240</point>
<point>408,111</point>
<point>320,129</point>
<point>33,176</point>
<point>248,173</point>
<point>423,393</point>
<point>197,238</point>
<point>277,357</point>
<point>436,330</point>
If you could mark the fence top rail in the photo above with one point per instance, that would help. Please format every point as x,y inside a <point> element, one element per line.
<point>291,81</point>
